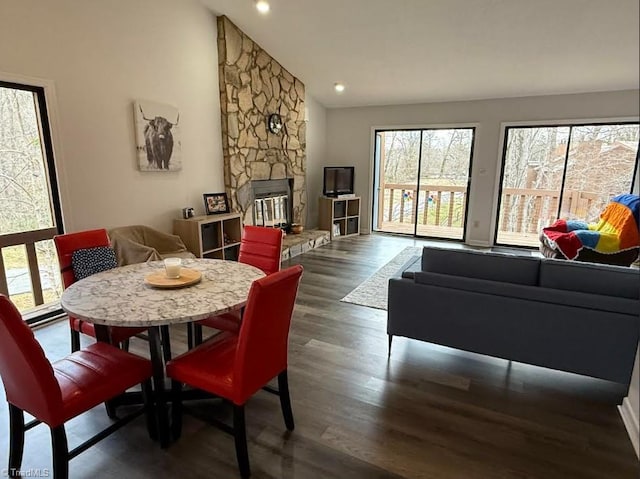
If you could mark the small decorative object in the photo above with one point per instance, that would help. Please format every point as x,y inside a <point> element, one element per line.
<point>336,229</point>
<point>187,213</point>
<point>158,140</point>
<point>275,123</point>
<point>216,203</point>
<point>296,228</point>
<point>158,279</point>
<point>172,267</point>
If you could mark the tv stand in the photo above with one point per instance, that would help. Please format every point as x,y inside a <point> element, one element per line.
<point>340,216</point>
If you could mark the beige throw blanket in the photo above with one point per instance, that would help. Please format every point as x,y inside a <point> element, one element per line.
<point>139,243</point>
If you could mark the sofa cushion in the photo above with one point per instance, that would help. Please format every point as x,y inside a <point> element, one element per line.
<point>590,278</point>
<point>558,297</point>
<point>477,264</point>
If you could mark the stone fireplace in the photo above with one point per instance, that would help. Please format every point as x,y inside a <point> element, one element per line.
<point>252,87</point>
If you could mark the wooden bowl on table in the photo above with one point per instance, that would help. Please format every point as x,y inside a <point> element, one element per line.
<point>296,228</point>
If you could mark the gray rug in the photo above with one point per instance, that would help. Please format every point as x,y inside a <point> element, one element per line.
<point>374,291</point>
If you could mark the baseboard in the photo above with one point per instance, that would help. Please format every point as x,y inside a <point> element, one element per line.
<point>631,423</point>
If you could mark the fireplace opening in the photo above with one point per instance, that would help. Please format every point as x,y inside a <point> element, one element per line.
<point>273,203</point>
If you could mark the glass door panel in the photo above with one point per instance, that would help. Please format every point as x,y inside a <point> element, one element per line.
<point>600,165</point>
<point>421,181</point>
<point>396,183</point>
<point>569,172</point>
<point>531,182</point>
<point>444,178</point>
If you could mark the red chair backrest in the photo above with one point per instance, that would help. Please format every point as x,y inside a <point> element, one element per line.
<point>261,247</point>
<point>68,243</point>
<point>264,334</point>
<point>26,373</point>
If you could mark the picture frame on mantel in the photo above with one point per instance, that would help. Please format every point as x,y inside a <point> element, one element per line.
<point>216,203</point>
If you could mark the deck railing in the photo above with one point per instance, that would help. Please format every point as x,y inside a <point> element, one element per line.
<point>28,239</point>
<point>437,204</point>
<point>522,210</point>
<point>529,210</point>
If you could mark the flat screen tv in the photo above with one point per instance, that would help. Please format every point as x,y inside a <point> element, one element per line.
<point>338,180</point>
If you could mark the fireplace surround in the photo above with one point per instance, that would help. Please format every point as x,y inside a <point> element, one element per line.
<point>272,203</point>
<point>254,86</point>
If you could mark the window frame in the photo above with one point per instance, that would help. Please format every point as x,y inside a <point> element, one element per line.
<point>504,137</point>
<point>42,94</point>
<point>375,130</point>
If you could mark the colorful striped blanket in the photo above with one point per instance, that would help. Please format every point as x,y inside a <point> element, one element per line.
<point>616,231</point>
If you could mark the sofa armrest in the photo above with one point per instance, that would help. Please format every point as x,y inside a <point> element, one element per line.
<point>410,267</point>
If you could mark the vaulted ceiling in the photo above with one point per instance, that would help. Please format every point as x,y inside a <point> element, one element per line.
<point>415,51</point>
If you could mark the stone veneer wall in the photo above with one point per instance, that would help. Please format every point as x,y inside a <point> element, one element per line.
<point>252,86</point>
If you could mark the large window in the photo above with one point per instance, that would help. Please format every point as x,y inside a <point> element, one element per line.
<point>568,171</point>
<point>422,180</point>
<point>29,207</point>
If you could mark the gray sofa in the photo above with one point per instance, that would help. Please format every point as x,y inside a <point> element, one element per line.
<point>576,317</point>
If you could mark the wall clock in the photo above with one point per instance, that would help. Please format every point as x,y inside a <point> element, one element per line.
<point>275,123</point>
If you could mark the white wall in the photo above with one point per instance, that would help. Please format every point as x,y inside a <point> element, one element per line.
<point>316,156</point>
<point>630,408</point>
<point>101,55</point>
<point>349,137</point>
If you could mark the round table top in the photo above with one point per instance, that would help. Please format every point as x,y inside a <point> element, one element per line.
<point>120,297</point>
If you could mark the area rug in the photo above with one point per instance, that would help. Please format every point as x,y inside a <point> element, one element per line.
<point>373,292</point>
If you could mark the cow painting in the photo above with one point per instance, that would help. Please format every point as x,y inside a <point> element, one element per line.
<point>158,140</point>
<point>158,149</point>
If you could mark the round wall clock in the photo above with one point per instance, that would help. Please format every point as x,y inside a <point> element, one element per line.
<point>275,123</point>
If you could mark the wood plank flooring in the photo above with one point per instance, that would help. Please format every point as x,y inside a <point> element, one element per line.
<point>427,412</point>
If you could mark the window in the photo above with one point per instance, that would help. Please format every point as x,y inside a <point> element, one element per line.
<point>422,180</point>
<point>564,171</point>
<point>30,212</point>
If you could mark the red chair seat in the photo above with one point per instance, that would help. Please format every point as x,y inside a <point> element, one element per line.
<point>88,376</point>
<point>235,366</point>
<point>195,368</point>
<point>224,322</point>
<point>66,244</point>
<point>260,247</point>
<point>55,393</point>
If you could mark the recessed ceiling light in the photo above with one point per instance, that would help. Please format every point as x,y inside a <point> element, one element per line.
<point>262,6</point>
<point>338,87</point>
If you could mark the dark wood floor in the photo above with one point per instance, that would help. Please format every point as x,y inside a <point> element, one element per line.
<point>428,412</point>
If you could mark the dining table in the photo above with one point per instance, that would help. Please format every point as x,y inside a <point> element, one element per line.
<point>127,296</point>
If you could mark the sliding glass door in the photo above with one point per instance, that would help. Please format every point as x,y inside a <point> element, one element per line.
<point>571,172</point>
<point>422,180</point>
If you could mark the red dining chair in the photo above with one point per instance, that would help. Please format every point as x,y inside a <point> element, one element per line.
<point>260,247</point>
<point>236,366</point>
<point>66,244</point>
<point>55,393</point>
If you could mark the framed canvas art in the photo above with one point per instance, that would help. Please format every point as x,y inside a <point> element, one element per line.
<point>158,140</point>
